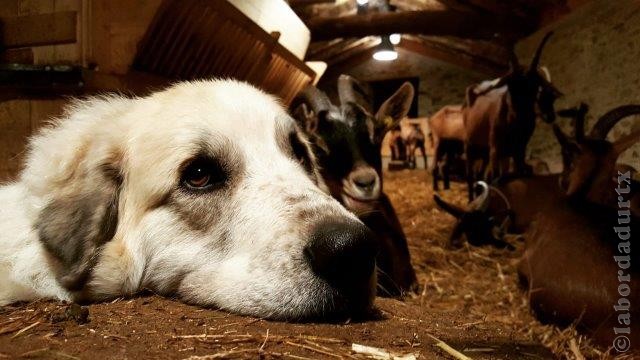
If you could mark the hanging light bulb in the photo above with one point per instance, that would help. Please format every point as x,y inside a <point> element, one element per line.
<point>385,50</point>
<point>395,39</point>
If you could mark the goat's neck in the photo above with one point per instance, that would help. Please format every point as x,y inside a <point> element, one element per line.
<point>603,191</point>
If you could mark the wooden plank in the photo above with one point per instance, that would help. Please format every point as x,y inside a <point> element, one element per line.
<point>17,56</point>
<point>42,111</point>
<point>35,30</point>
<point>15,128</point>
<point>9,8</point>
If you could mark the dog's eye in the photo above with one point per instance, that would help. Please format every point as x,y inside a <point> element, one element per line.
<point>203,173</point>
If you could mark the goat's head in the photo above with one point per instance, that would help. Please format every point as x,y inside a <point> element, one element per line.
<point>347,138</point>
<point>547,96</point>
<point>533,83</point>
<point>590,160</point>
<point>480,224</point>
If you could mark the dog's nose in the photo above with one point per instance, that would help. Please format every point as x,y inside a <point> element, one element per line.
<point>342,252</point>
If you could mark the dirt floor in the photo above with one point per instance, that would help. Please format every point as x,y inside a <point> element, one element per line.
<point>469,300</point>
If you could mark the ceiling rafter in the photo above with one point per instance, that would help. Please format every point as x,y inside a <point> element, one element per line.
<point>463,24</point>
<point>454,55</point>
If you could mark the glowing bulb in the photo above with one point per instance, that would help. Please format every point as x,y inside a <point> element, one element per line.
<point>362,2</point>
<point>395,39</point>
<point>385,55</point>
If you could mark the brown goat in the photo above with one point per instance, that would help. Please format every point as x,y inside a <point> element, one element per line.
<point>590,169</point>
<point>347,140</point>
<point>500,116</point>
<point>568,265</point>
<point>569,270</point>
<point>447,134</point>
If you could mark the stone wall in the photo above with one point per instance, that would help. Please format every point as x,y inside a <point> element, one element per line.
<point>593,56</point>
<point>440,83</point>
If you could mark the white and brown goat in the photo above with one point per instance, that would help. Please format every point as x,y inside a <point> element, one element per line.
<point>407,140</point>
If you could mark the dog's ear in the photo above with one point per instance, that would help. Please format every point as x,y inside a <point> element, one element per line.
<point>75,224</point>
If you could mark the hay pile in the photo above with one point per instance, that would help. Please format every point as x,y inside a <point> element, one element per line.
<point>481,282</point>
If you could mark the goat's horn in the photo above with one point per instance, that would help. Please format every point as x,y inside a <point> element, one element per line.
<point>607,121</point>
<point>317,99</point>
<point>514,64</point>
<point>456,211</point>
<point>481,203</point>
<point>536,58</point>
<point>351,90</point>
<point>546,73</point>
<point>580,119</point>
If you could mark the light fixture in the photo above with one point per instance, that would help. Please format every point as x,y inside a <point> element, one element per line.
<point>395,39</point>
<point>385,50</point>
<point>362,2</point>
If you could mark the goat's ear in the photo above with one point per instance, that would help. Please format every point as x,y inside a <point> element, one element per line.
<point>74,225</point>
<point>625,142</point>
<point>394,109</point>
<point>568,113</point>
<point>306,119</point>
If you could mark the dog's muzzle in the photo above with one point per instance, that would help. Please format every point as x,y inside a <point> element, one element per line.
<point>343,253</point>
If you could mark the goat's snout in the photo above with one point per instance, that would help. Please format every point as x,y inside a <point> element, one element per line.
<point>365,183</point>
<point>343,253</point>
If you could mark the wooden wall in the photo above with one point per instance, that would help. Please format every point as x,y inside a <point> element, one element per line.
<point>18,120</point>
<point>103,37</point>
<point>21,118</point>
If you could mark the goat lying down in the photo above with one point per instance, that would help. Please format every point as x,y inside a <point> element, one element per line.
<point>577,227</point>
<point>206,191</point>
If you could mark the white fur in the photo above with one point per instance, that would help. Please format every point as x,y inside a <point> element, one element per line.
<point>259,270</point>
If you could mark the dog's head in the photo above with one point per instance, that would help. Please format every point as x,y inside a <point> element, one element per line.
<point>206,191</point>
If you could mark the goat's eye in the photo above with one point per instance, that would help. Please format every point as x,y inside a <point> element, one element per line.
<point>203,173</point>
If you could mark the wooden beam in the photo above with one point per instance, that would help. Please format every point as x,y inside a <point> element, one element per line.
<point>464,24</point>
<point>465,60</point>
<point>35,30</point>
<point>318,47</point>
<point>347,63</point>
<point>480,6</point>
<point>333,54</point>
<point>352,51</point>
<point>77,82</point>
<point>298,3</point>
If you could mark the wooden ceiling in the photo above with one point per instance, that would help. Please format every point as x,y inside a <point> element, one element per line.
<point>475,34</point>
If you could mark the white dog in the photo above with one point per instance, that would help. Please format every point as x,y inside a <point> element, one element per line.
<point>206,191</point>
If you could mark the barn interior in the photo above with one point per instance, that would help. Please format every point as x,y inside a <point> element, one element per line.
<point>469,301</point>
